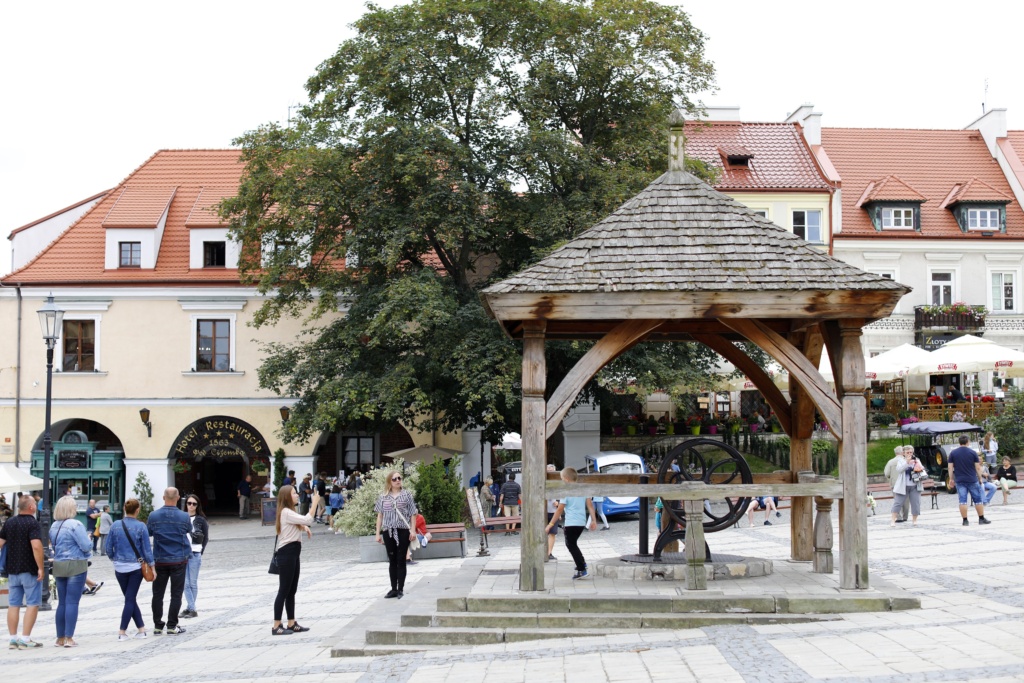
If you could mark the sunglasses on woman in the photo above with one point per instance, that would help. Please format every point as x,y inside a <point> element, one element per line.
<point>191,503</point>
<point>396,479</point>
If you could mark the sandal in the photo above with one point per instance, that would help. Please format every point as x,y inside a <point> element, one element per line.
<point>298,629</point>
<point>70,642</point>
<point>60,642</point>
<point>280,630</point>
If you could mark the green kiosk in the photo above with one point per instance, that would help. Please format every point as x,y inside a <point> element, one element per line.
<point>79,468</point>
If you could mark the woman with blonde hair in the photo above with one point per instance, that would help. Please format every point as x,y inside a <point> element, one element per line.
<point>989,448</point>
<point>127,544</point>
<point>72,549</point>
<point>395,508</point>
<point>290,527</point>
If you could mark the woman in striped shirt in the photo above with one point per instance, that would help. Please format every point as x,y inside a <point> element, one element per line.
<point>395,508</point>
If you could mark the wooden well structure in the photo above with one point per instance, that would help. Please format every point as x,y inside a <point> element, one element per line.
<point>683,262</point>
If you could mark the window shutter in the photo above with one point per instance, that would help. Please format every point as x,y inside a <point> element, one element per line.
<point>917,218</point>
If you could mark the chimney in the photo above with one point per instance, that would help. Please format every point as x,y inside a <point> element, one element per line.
<point>992,126</point>
<point>811,122</point>
<point>676,143</point>
<point>722,114</point>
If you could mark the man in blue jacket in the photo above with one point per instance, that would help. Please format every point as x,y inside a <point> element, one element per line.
<point>172,547</point>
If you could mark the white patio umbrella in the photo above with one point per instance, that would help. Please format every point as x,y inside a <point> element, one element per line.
<point>14,480</point>
<point>511,442</point>
<point>970,354</point>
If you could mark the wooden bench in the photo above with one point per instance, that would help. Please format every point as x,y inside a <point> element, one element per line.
<point>458,529</point>
<point>497,525</point>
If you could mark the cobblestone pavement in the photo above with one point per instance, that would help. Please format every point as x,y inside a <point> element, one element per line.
<point>969,628</point>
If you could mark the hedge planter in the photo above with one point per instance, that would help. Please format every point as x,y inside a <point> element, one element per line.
<point>371,551</point>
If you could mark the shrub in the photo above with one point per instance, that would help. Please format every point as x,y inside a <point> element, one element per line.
<point>1008,426</point>
<point>439,494</point>
<point>278,469</point>
<point>358,518</point>
<point>144,492</point>
<point>882,419</point>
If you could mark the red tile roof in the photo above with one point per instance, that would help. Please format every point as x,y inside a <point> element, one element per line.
<point>931,162</point>
<point>780,158</point>
<point>179,177</point>
<point>58,212</point>
<point>975,190</point>
<point>890,189</point>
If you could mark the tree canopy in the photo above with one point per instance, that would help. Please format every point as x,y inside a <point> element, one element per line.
<point>448,144</point>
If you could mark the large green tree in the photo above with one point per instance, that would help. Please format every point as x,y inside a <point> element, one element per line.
<point>450,143</point>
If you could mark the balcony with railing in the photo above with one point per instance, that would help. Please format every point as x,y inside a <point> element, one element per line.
<point>956,316</point>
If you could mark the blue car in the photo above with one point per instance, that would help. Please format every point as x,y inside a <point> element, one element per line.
<point>617,462</point>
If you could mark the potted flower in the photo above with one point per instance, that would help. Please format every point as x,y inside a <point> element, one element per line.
<point>935,400</point>
<point>181,466</point>
<point>631,425</point>
<point>733,423</point>
<point>710,422</point>
<point>259,467</point>
<point>652,425</point>
<point>774,424</point>
<point>693,422</point>
<point>617,427</point>
<point>988,399</point>
<point>753,423</point>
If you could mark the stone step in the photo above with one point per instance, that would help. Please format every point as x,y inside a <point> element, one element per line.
<point>597,621</point>
<point>681,604</point>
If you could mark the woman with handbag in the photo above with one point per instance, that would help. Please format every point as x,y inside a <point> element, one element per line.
<point>394,509</point>
<point>287,551</point>
<point>200,535</point>
<point>72,549</point>
<point>129,548</point>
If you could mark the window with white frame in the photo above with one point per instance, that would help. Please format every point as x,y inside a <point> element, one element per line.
<point>807,224</point>
<point>212,344</point>
<point>983,219</point>
<point>942,287</point>
<point>79,346</point>
<point>130,254</point>
<point>897,218</point>
<point>1004,291</point>
<point>763,213</point>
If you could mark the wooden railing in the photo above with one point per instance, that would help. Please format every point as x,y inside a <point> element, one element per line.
<point>960,321</point>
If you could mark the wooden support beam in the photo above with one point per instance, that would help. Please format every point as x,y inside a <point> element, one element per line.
<point>600,354</point>
<point>853,570</point>
<point>801,518</point>
<point>533,548</point>
<point>735,355</point>
<point>696,575</point>
<point>693,490</point>
<point>795,362</point>
<point>822,562</point>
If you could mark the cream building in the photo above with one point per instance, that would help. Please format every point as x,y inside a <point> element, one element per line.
<point>156,319</point>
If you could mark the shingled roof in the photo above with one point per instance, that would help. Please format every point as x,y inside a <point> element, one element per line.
<point>681,250</point>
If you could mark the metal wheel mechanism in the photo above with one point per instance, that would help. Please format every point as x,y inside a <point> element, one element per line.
<point>712,462</point>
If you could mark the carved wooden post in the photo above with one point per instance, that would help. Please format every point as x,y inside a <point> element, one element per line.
<point>823,536</point>
<point>533,544</point>
<point>696,579</point>
<point>853,458</point>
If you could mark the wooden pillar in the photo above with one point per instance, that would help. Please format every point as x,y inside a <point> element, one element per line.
<point>533,544</point>
<point>823,536</point>
<point>800,452</point>
<point>696,578</point>
<point>853,571</point>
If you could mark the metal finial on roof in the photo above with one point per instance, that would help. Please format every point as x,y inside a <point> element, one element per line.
<point>676,144</point>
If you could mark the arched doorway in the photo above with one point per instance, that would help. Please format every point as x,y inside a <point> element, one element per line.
<point>87,462</point>
<point>212,455</point>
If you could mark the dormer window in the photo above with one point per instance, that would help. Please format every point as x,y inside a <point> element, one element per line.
<point>130,254</point>
<point>898,218</point>
<point>214,254</point>
<point>983,219</point>
<point>735,156</point>
<point>978,207</point>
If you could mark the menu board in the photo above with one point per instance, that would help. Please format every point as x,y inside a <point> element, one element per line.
<point>73,460</point>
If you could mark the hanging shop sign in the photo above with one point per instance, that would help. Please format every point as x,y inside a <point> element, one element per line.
<point>219,437</point>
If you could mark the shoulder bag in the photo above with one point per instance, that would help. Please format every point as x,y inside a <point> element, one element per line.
<point>63,569</point>
<point>148,571</point>
<point>274,567</point>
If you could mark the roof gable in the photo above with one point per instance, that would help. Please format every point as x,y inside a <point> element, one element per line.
<point>890,189</point>
<point>976,191</point>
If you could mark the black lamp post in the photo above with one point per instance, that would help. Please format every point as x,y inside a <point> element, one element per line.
<point>50,320</point>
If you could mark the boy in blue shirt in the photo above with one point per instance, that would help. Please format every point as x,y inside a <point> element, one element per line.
<point>576,511</point>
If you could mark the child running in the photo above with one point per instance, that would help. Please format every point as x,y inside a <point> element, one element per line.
<point>576,511</point>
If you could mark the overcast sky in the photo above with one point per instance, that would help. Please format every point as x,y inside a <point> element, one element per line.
<point>91,90</point>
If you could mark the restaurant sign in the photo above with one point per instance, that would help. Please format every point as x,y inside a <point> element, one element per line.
<point>219,437</point>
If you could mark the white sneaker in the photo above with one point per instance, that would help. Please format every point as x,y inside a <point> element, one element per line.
<point>141,635</point>
<point>122,637</point>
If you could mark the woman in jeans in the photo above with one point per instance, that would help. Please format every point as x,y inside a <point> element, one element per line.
<point>395,509</point>
<point>290,527</point>
<point>70,541</point>
<point>124,533</point>
<point>200,531</point>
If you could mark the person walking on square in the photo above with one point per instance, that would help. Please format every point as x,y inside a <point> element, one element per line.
<point>508,501</point>
<point>105,521</point>
<point>290,526</point>
<point>552,505</point>
<point>965,474</point>
<point>321,489</point>
<point>244,492</point>
<point>128,543</point>
<point>93,514</point>
<point>990,448</point>
<point>305,491</point>
<point>907,489</point>
<point>23,539</point>
<point>892,476</point>
<point>172,548</point>
<point>1006,475</point>
<point>395,510</point>
<point>200,535</point>
<point>599,511</point>
<point>71,546</point>
<point>576,511</point>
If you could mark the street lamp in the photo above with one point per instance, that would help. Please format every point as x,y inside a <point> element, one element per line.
<point>50,320</point>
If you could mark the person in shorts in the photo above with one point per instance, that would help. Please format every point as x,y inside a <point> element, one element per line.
<point>965,473</point>
<point>508,501</point>
<point>23,539</point>
<point>552,528</point>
